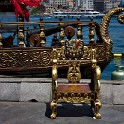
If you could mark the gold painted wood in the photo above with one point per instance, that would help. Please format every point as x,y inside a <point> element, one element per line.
<point>21,33</point>
<point>62,34</point>
<point>79,30</point>
<point>42,34</point>
<point>91,27</point>
<point>74,91</point>
<point>104,28</point>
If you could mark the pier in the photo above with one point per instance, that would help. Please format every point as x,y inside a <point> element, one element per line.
<point>24,89</point>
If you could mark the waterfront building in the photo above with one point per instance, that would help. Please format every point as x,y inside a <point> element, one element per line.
<point>70,3</point>
<point>87,5</point>
<point>109,4</point>
<point>51,2</point>
<point>77,3</point>
<point>59,2</point>
<point>50,8</point>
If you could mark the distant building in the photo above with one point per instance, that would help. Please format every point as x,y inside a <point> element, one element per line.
<point>58,2</point>
<point>70,3</point>
<point>99,5</point>
<point>51,2</point>
<point>50,8</point>
<point>77,3</point>
<point>109,4</point>
<point>87,5</point>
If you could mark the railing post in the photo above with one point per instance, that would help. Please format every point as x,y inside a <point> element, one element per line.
<point>21,33</point>
<point>42,33</point>
<point>62,35</point>
<point>91,27</point>
<point>79,29</point>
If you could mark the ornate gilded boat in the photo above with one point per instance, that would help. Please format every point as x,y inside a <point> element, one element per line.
<point>32,55</point>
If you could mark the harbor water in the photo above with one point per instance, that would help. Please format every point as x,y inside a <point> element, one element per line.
<point>115,32</point>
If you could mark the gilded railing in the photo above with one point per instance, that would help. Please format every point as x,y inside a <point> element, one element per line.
<point>33,33</point>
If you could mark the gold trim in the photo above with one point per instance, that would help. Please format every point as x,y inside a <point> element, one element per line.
<point>105,23</point>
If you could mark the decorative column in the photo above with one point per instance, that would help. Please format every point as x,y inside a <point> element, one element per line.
<point>21,33</point>
<point>79,29</point>
<point>91,27</point>
<point>42,33</point>
<point>62,35</point>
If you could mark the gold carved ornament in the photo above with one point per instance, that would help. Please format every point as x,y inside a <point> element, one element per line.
<point>104,28</point>
<point>105,23</point>
<point>74,74</point>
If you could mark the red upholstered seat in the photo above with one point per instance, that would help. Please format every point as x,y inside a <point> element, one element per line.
<point>73,88</point>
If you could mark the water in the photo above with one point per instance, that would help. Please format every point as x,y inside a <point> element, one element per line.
<point>115,31</point>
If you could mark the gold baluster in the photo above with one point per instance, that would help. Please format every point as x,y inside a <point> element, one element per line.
<point>21,33</point>
<point>42,33</point>
<point>79,29</point>
<point>62,35</point>
<point>91,27</point>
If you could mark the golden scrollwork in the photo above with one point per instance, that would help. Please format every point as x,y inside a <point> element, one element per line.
<point>74,74</point>
<point>54,56</point>
<point>87,53</point>
<point>94,61</point>
<point>97,106</point>
<point>105,23</point>
<point>75,97</point>
<point>121,18</point>
<point>45,58</point>
<point>53,106</point>
<point>11,59</point>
